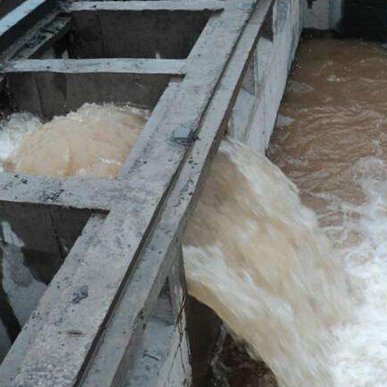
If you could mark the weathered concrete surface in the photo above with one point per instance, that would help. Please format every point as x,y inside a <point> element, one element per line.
<point>133,5</point>
<point>61,281</point>
<point>8,5</point>
<point>322,14</point>
<point>50,87</point>
<point>16,23</point>
<point>147,29</point>
<point>257,105</point>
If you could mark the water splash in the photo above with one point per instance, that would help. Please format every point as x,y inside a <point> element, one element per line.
<point>256,255</point>
<point>252,251</point>
<point>335,151</point>
<point>94,141</point>
<point>12,132</point>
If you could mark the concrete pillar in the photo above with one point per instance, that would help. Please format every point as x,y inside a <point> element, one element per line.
<point>256,108</point>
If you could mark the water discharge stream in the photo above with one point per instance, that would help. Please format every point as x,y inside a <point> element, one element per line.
<point>253,252</point>
<point>334,149</point>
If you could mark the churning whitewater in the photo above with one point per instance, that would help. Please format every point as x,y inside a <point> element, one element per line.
<point>333,145</point>
<point>253,252</point>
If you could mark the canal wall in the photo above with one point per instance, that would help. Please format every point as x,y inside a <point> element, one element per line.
<point>256,108</point>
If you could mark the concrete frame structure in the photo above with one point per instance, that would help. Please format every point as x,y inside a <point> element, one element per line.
<point>115,312</point>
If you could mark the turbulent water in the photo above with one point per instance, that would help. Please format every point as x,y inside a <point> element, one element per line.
<point>94,141</point>
<point>333,146</point>
<point>257,257</point>
<point>252,251</point>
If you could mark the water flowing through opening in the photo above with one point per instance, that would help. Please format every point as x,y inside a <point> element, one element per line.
<point>315,314</point>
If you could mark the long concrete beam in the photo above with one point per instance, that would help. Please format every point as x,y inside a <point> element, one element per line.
<point>165,5</point>
<point>96,66</point>
<point>75,192</point>
<point>53,87</point>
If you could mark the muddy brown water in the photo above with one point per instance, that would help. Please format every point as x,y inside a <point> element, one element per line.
<point>331,141</point>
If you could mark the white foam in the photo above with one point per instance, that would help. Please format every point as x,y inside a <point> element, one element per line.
<point>12,131</point>
<point>362,358</point>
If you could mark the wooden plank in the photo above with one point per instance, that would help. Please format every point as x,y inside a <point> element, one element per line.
<point>17,22</point>
<point>181,5</point>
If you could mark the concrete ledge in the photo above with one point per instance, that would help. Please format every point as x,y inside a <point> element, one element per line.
<point>11,365</point>
<point>75,192</point>
<point>165,5</point>
<point>96,66</point>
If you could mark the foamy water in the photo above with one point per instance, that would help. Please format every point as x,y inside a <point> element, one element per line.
<point>94,141</point>
<point>256,256</point>
<point>332,144</point>
<point>252,251</point>
<point>362,356</point>
<point>12,132</point>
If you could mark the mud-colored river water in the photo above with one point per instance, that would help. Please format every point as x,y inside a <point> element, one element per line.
<point>331,141</point>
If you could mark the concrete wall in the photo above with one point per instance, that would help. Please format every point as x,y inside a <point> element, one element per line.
<point>258,102</point>
<point>322,14</point>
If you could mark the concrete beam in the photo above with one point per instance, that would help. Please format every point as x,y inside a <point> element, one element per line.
<point>99,316</point>
<point>75,192</point>
<point>56,86</point>
<point>96,66</point>
<point>14,25</point>
<point>165,5</point>
<point>64,278</point>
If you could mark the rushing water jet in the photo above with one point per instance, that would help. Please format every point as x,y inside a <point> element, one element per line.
<point>252,252</point>
<point>333,147</point>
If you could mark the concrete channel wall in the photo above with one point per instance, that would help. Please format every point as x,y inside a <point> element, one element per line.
<point>256,108</point>
<point>139,328</point>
